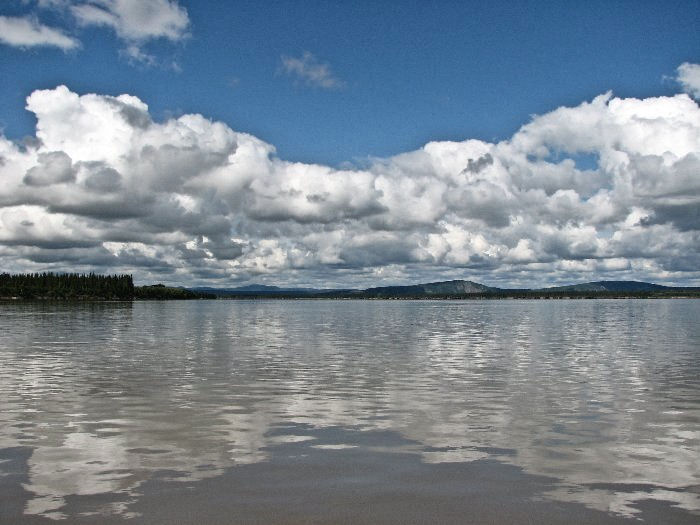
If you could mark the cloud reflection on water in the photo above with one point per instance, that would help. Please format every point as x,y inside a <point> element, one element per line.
<point>601,395</point>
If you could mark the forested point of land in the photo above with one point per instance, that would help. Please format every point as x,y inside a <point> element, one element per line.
<point>66,286</point>
<point>160,291</point>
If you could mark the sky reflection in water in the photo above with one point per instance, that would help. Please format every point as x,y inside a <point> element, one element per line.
<point>603,396</point>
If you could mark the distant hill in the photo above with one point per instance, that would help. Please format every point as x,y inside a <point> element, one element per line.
<point>610,286</point>
<point>457,287</point>
<point>258,290</point>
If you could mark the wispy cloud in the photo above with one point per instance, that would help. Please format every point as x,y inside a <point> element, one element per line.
<point>136,20</point>
<point>28,32</point>
<point>309,70</point>
<point>135,55</point>
<point>688,76</point>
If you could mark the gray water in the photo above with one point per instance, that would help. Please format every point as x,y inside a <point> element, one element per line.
<point>590,404</point>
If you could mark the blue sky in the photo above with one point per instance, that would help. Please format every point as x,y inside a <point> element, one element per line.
<point>351,144</point>
<point>408,72</point>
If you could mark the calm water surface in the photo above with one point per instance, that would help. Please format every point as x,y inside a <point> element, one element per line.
<point>591,405</point>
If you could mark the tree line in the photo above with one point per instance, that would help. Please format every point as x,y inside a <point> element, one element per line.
<point>88,286</point>
<point>49,285</point>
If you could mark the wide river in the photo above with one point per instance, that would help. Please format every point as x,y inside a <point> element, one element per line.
<point>567,411</point>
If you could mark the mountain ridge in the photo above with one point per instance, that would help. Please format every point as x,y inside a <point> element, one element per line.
<point>451,288</point>
<point>610,286</point>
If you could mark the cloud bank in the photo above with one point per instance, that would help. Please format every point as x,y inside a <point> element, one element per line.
<point>607,189</point>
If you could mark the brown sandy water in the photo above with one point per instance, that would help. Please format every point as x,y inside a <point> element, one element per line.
<point>350,412</point>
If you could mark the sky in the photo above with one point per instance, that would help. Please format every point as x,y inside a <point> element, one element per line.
<point>351,144</point>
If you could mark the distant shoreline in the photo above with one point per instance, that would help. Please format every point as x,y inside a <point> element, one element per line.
<point>92,287</point>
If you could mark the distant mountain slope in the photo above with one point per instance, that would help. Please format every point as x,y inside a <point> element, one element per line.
<point>258,290</point>
<point>609,286</point>
<point>457,287</point>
